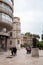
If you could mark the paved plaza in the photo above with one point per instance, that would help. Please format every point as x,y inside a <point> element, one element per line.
<point>21,58</point>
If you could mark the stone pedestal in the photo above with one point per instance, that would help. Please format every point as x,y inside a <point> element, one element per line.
<point>35,52</point>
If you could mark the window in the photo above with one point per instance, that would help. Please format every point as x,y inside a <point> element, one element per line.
<point>5,17</point>
<point>10,33</point>
<point>18,41</point>
<point>10,42</point>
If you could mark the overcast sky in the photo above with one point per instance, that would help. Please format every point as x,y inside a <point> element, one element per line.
<point>31,15</point>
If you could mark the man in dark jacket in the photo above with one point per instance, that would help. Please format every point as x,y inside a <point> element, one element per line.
<point>14,50</point>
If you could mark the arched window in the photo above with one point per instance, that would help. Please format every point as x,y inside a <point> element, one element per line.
<point>10,42</point>
<point>10,33</point>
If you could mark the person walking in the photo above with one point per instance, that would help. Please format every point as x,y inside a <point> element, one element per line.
<point>14,50</point>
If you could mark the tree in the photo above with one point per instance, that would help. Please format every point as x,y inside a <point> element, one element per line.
<point>28,34</point>
<point>37,36</point>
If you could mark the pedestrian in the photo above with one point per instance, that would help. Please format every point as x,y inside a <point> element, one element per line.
<point>28,49</point>
<point>15,50</point>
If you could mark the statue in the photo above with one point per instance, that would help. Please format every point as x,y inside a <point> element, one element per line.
<point>34,42</point>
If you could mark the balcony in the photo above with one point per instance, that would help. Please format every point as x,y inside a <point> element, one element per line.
<point>6,12</point>
<point>4,34</point>
<point>5,24</point>
<point>8,3</point>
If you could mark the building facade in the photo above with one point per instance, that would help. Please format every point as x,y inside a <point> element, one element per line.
<point>25,39</point>
<point>6,18</point>
<point>22,35</point>
<point>15,39</point>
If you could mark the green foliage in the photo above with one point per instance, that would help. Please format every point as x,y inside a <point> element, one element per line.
<point>22,45</point>
<point>40,43</point>
<point>25,44</point>
<point>35,35</point>
<point>28,34</point>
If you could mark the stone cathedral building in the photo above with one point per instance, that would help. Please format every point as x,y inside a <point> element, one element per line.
<point>15,33</point>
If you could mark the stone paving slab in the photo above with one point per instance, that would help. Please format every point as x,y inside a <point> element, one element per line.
<point>21,58</point>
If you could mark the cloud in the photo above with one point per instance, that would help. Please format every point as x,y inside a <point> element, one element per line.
<point>31,15</point>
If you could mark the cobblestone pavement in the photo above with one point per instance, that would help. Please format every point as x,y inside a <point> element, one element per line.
<point>21,58</point>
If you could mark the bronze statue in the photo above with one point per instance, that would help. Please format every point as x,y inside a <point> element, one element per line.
<point>34,42</point>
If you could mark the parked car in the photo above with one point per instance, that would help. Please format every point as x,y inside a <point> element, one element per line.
<point>28,49</point>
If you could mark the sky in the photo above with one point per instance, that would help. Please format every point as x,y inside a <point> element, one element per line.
<point>31,15</point>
